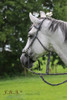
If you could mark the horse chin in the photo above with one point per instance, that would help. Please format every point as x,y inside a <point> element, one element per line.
<point>29,64</point>
<point>26,61</point>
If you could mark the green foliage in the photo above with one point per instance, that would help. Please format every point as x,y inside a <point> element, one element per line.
<point>60,9</point>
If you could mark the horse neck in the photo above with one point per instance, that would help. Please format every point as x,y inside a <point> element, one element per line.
<point>56,40</point>
<point>58,44</point>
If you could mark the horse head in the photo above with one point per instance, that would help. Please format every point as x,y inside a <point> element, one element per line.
<point>38,40</point>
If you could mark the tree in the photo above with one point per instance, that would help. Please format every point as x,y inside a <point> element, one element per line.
<point>60,9</point>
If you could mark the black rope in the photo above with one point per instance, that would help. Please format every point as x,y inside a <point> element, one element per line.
<point>41,74</point>
<point>51,83</point>
<point>43,45</point>
<point>39,65</point>
<point>28,62</point>
<point>46,74</point>
<point>48,62</point>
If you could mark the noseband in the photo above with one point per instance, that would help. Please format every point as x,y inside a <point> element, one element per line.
<point>48,61</point>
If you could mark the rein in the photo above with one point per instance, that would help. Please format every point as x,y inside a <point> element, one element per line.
<point>48,61</point>
<point>42,74</point>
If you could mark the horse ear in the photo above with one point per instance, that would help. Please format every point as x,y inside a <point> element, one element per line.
<point>42,14</point>
<point>34,19</point>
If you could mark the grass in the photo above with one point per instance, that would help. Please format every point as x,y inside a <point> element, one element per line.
<point>32,88</point>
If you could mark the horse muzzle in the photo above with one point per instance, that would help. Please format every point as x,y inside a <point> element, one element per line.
<point>26,61</point>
